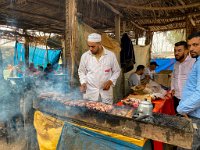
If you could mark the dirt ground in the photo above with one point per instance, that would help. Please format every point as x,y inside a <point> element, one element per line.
<point>22,138</point>
<point>18,145</point>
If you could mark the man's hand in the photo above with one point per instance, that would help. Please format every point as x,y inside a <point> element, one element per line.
<point>107,84</point>
<point>139,87</point>
<point>83,87</point>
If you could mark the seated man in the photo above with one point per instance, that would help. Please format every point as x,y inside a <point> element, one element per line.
<point>31,69</point>
<point>49,72</point>
<point>134,78</point>
<point>150,71</point>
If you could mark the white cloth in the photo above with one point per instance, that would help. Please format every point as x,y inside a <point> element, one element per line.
<point>180,74</point>
<point>95,73</point>
<point>134,79</point>
<point>149,72</point>
<point>94,37</point>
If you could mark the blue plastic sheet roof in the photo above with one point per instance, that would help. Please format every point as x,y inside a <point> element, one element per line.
<point>38,56</point>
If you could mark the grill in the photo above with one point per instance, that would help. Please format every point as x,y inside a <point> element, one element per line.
<point>168,129</point>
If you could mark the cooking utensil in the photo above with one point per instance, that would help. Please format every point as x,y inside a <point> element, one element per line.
<point>145,108</point>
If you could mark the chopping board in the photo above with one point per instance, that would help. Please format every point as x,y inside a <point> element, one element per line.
<point>141,97</point>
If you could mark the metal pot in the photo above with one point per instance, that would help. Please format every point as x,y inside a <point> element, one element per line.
<point>145,108</point>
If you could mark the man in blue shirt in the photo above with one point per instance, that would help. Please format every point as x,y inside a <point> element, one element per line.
<point>190,98</point>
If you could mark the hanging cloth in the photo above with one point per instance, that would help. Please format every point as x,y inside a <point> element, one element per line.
<point>127,56</point>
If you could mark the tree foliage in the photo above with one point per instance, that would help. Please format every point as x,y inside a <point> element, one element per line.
<point>176,36</point>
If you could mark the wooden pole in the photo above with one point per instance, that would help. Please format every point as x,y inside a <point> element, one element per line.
<point>117,28</point>
<point>70,36</point>
<point>26,46</point>
<point>124,27</point>
<point>149,37</point>
<point>123,74</point>
<point>136,37</point>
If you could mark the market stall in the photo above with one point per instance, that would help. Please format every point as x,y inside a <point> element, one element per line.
<point>114,119</point>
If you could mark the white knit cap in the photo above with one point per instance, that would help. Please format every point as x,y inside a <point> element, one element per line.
<point>94,37</point>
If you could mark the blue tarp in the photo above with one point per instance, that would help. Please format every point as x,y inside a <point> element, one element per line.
<point>164,64</point>
<point>19,54</point>
<point>36,55</point>
<point>74,137</point>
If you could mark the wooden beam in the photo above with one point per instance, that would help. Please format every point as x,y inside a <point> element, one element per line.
<point>117,28</point>
<point>111,8</point>
<point>25,24</point>
<point>46,4</point>
<point>136,25</point>
<point>5,5</point>
<point>164,24</point>
<point>31,14</point>
<point>192,21</point>
<point>166,17</point>
<point>189,17</point>
<point>133,6</point>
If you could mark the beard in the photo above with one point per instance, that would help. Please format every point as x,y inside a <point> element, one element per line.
<point>95,51</point>
<point>180,58</point>
<point>194,55</point>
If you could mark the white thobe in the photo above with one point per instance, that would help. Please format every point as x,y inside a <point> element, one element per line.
<point>180,74</point>
<point>95,73</point>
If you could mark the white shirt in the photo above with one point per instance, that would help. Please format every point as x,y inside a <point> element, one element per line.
<point>180,74</point>
<point>149,72</point>
<point>134,79</point>
<point>95,73</point>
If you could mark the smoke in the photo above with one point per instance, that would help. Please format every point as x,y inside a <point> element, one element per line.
<point>1,66</point>
<point>18,95</point>
<point>10,115</point>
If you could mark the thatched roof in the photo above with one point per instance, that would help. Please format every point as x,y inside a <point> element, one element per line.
<point>139,15</point>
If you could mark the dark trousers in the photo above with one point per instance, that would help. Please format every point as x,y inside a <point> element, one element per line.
<point>176,103</point>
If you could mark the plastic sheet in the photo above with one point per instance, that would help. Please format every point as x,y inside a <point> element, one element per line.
<point>77,138</point>
<point>36,55</point>
<point>48,130</point>
<point>164,64</point>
